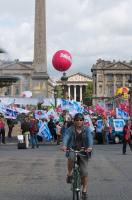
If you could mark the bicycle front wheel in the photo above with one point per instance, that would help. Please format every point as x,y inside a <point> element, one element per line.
<point>76,185</point>
<point>76,195</point>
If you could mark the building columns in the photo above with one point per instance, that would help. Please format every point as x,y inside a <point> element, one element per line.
<point>80,93</point>
<point>115,88</point>
<point>75,92</point>
<point>123,80</point>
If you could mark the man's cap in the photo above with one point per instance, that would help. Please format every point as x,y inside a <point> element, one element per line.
<point>78,116</point>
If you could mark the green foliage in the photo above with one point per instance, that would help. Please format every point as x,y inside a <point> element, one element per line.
<point>59,91</point>
<point>87,96</point>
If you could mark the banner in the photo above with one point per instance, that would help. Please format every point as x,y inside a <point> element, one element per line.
<point>44,131</point>
<point>121,114</point>
<point>70,105</point>
<point>118,124</point>
<point>10,113</point>
<point>40,114</point>
<point>99,126</point>
<point>88,122</point>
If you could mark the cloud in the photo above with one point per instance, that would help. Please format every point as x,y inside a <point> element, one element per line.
<point>88,29</point>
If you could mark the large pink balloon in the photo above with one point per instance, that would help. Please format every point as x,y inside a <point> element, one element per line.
<point>62,60</point>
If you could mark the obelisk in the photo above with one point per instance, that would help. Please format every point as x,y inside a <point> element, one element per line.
<point>40,76</point>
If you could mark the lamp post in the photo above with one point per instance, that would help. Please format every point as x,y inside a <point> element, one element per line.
<point>64,79</point>
<point>55,96</point>
<point>130,97</point>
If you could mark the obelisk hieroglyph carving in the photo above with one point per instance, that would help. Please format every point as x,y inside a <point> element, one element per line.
<point>40,76</point>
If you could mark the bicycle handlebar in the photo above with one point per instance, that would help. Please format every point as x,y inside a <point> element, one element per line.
<point>77,151</point>
<point>88,154</point>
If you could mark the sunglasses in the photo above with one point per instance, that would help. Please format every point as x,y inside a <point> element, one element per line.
<point>77,120</point>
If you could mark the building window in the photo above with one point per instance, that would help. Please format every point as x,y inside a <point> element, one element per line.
<point>110,77</point>
<point>127,77</point>
<point>17,92</point>
<point>110,90</point>
<point>100,88</point>
<point>119,77</point>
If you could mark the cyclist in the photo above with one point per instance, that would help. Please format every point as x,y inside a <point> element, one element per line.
<point>76,137</point>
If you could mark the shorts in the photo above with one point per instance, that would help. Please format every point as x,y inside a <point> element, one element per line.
<point>83,163</point>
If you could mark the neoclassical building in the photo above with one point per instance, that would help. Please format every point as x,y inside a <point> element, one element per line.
<point>76,85</point>
<point>108,76</point>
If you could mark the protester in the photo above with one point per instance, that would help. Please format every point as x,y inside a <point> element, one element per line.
<point>58,132</point>
<point>127,132</point>
<point>105,131</point>
<point>2,130</point>
<point>10,123</point>
<point>33,132</point>
<point>25,127</point>
<point>63,129</point>
<point>52,129</point>
<point>99,131</point>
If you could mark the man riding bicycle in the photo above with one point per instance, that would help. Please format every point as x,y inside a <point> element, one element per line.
<point>76,137</point>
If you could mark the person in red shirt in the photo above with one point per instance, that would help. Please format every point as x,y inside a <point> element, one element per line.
<point>127,136</point>
<point>33,132</point>
<point>2,130</point>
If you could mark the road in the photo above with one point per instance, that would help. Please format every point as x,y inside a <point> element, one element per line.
<point>35,174</point>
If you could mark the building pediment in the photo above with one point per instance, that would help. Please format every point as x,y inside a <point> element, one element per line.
<point>15,66</point>
<point>119,66</point>
<point>78,77</point>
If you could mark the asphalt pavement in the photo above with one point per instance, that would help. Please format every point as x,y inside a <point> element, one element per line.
<point>39,174</point>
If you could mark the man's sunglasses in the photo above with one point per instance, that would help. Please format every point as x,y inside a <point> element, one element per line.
<point>79,120</point>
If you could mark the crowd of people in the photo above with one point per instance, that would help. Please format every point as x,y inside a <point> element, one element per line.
<point>34,129</point>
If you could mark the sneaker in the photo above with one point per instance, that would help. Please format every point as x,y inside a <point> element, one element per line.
<point>84,196</point>
<point>69,179</point>
<point>124,153</point>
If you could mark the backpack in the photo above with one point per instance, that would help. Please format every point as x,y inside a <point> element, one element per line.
<point>127,136</point>
<point>127,133</point>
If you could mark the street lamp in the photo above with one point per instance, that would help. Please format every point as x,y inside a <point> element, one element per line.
<point>130,97</point>
<point>64,79</point>
<point>55,96</point>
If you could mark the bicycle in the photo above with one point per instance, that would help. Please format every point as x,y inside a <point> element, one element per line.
<point>76,180</point>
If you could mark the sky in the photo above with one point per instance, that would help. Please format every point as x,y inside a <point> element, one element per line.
<point>88,29</point>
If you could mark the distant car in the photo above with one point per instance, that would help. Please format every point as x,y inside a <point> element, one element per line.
<point>116,133</point>
<point>117,130</point>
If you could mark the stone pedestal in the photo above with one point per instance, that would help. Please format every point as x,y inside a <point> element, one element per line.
<point>40,85</point>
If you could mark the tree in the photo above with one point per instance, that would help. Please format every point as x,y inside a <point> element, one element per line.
<point>59,91</point>
<point>87,97</point>
<point>2,51</point>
